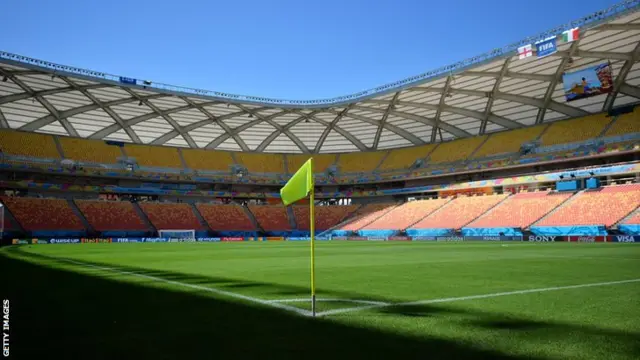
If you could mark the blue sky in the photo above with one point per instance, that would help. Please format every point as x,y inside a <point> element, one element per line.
<point>282,49</point>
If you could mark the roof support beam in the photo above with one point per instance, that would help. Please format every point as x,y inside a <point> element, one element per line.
<point>383,121</point>
<point>223,137</point>
<point>443,96</point>
<point>496,87</point>
<point>616,27</point>
<point>25,95</point>
<point>554,82</point>
<point>594,55</point>
<point>341,131</point>
<point>279,127</point>
<point>622,76</point>
<point>509,74</point>
<point>274,135</point>
<point>400,131</point>
<point>630,90</point>
<point>553,105</point>
<point>212,119</point>
<point>328,129</point>
<point>3,121</point>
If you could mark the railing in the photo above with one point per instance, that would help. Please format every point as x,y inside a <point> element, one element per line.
<point>590,21</point>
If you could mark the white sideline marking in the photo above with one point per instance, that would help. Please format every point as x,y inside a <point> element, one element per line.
<point>368,302</point>
<point>474,297</point>
<point>198,287</point>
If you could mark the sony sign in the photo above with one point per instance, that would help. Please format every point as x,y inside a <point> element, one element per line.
<point>542,238</point>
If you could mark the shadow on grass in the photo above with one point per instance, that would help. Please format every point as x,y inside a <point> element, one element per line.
<point>78,315</point>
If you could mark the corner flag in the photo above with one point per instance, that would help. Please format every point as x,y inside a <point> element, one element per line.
<point>297,188</point>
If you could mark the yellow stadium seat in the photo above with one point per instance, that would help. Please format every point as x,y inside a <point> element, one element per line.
<point>207,159</point>
<point>261,163</point>
<point>508,141</point>
<point>360,161</point>
<point>569,131</point>
<point>626,124</point>
<point>89,150</point>
<point>148,155</point>
<point>320,162</point>
<point>404,158</point>
<point>456,150</point>
<point>28,144</point>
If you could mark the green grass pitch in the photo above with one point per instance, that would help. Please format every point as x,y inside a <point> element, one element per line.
<point>250,300</point>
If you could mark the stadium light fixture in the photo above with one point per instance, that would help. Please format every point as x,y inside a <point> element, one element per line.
<point>561,177</point>
<point>573,176</point>
<point>591,173</point>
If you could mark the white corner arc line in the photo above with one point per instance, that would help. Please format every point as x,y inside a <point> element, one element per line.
<point>192,286</point>
<point>475,297</point>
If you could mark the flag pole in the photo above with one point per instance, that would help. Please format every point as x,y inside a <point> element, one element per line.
<point>312,231</point>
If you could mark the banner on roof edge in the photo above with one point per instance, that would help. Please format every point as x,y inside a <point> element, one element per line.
<point>592,81</point>
<point>546,47</point>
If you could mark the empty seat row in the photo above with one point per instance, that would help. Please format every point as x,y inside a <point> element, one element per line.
<point>459,212</point>
<point>229,217</point>
<point>405,215</point>
<point>326,217</point>
<point>111,215</point>
<point>35,214</point>
<point>171,216</point>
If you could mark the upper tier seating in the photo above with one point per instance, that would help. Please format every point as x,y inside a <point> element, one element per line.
<point>604,206</point>
<point>508,141</point>
<point>635,219</point>
<point>261,163</point>
<point>230,217</point>
<point>197,159</point>
<point>569,131</point>
<point>320,162</point>
<point>148,155</point>
<point>43,214</point>
<point>366,215</point>
<point>360,161</point>
<point>171,216</point>
<point>406,215</point>
<point>111,215</point>
<point>404,158</point>
<point>456,150</point>
<point>96,151</point>
<point>626,124</point>
<point>326,216</point>
<point>520,210</point>
<point>271,217</point>
<point>28,144</point>
<point>460,212</point>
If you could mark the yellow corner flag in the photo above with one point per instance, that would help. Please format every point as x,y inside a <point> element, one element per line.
<point>297,188</point>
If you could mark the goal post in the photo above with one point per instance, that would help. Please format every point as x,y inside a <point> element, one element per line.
<point>177,235</point>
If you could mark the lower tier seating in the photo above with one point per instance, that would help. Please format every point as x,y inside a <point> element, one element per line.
<point>326,217</point>
<point>366,215</point>
<point>271,217</point>
<point>406,215</point>
<point>634,219</point>
<point>36,214</point>
<point>605,206</point>
<point>171,216</point>
<point>111,215</point>
<point>520,210</point>
<point>459,212</point>
<point>230,217</point>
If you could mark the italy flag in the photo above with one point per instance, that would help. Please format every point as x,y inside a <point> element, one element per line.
<point>571,35</point>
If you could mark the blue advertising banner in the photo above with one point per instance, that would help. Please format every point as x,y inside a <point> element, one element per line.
<point>449,238</point>
<point>588,82</point>
<point>624,238</point>
<point>60,241</point>
<point>423,238</point>
<point>154,240</point>
<point>546,47</point>
<point>494,238</point>
<point>127,240</point>
<point>208,239</point>
<point>127,80</point>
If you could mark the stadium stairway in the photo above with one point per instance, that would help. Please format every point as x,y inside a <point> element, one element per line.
<point>292,218</point>
<point>342,223</point>
<point>199,216</point>
<point>402,217</point>
<point>252,218</point>
<point>81,216</point>
<point>629,219</point>
<point>370,213</point>
<point>10,222</point>
<point>144,217</point>
<point>564,203</point>
<point>631,224</point>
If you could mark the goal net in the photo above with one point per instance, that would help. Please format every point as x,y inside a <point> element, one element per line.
<point>177,235</point>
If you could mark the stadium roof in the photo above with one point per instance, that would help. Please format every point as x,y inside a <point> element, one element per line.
<point>492,92</point>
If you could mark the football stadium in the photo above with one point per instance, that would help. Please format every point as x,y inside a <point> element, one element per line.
<point>486,209</point>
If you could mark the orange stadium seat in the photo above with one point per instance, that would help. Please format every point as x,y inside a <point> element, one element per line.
<point>635,219</point>
<point>171,216</point>
<point>626,124</point>
<point>520,210</point>
<point>230,217</point>
<point>271,217</point>
<point>406,215</point>
<point>111,215</point>
<point>28,144</point>
<point>366,215</point>
<point>43,214</point>
<point>460,212</point>
<point>326,216</point>
<point>89,150</point>
<point>604,206</point>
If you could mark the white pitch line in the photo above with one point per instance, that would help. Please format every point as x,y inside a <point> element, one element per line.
<point>475,297</point>
<point>368,302</point>
<point>198,287</point>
